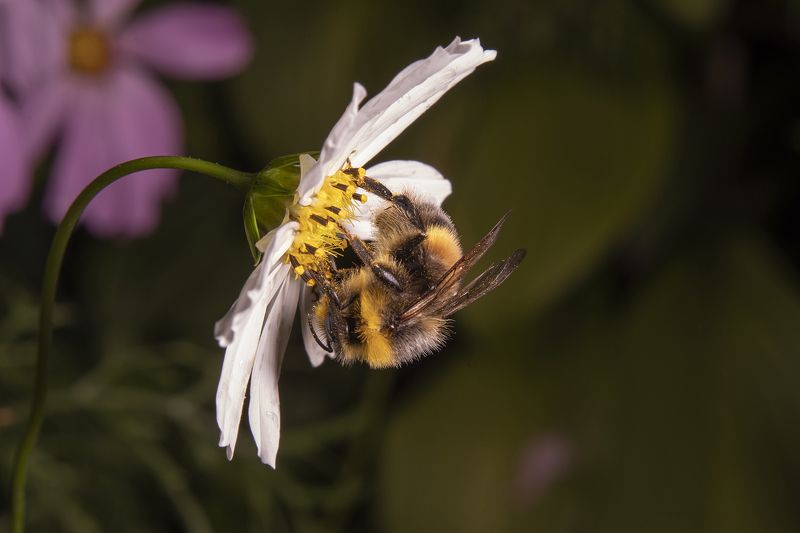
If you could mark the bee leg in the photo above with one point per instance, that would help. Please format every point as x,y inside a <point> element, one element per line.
<point>335,325</point>
<point>400,200</point>
<point>349,301</point>
<point>337,273</point>
<point>332,265</point>
<point>382,274</point>
<point>311,327</point>
<point>323,285</point>
<point>336,329</point>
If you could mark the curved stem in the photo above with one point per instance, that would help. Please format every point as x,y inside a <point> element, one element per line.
<point>240,180</point>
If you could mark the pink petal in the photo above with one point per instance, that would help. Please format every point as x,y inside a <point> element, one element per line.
<point>544,460</point>
<point>14,182</point>
<point>125,116</point>
<point>42,113</point>
<point>37,32</point>
<point>110,13</point>
<point>189,41</point>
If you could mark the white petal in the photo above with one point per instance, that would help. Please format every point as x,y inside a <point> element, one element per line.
<point>315,352</point>
<point>240,330</point>
<point>361,133</point>
<point>226,328</point>
<point>414,177</point>
<point>335,149</point>
<point>277,241</point>
<point>240,356</point>
<point>411,93</point>
<point>306,164</point>
<point>264,412</point>
<point>363,228</point>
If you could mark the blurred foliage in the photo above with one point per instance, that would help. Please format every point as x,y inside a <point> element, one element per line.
<point>696,14</point>
<point>676,403</point>
<point>638,373</point>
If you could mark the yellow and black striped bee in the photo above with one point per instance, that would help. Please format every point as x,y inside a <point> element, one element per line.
<point>394,307</point>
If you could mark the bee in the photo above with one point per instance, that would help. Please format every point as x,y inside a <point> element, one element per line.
<point>394,308</point>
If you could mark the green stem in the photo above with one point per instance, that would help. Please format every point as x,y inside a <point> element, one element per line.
<point>240,180</point>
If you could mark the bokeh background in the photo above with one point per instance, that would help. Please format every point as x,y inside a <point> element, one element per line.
<point>639,372</point>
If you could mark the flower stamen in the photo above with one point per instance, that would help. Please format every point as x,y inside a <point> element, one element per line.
<point>320,237</point>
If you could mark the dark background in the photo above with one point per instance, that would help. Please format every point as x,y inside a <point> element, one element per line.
<point>639,372</point>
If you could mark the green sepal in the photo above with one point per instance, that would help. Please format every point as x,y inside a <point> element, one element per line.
<point>271,193</point>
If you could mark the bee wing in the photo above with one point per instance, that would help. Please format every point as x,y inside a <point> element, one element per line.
<point>455,274</point>
<point>486,282</point>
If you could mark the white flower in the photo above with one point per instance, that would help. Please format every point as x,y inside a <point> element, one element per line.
<point>256,329</point>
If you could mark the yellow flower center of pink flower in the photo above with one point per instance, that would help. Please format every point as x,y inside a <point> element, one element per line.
<point>321,236</point>
<point>89,50</point>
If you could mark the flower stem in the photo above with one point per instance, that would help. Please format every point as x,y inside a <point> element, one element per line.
<point>240,180</point>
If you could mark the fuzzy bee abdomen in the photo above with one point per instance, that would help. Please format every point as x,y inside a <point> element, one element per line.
<point>377,347</point>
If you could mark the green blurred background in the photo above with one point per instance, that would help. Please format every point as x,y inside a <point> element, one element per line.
<point>639,372</point>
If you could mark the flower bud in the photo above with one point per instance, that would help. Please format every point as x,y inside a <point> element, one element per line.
<point>271,193</point>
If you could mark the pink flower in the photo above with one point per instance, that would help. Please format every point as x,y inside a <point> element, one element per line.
<point>85,75</point>
<point>14,183</point>
<point>545,459</point>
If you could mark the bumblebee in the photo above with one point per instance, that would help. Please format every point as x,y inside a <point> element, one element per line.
<point>394,307</point>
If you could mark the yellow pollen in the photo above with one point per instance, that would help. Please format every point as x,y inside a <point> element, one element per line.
<point>320,235</point>
<point>89,50</point>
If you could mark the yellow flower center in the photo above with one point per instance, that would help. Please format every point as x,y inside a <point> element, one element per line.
<point>321,236</point>
<point>89,50</point>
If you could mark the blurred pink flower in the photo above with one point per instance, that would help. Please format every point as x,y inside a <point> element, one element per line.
<point>14,182</point>
<point>545,459</point>
<point>84,75</point>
